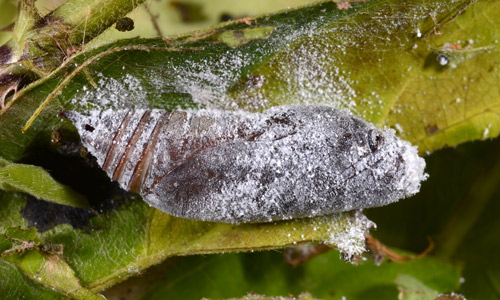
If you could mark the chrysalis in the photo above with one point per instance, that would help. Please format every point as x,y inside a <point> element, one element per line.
<point>234,167</point>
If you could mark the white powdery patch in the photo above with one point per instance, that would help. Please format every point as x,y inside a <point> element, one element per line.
<point>207,82</point>
<point>309,71</point>
<point>312,75</point>
<point>414,168</point>
<point>350,239</point>
<point>123,92</point>
<point>321,66</point>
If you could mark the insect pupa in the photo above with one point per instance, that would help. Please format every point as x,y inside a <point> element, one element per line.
<point>237,167</point>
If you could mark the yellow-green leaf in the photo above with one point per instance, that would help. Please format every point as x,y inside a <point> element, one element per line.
<point>53,272</point>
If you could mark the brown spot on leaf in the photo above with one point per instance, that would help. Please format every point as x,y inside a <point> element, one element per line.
<point>224,17</point>
<point>238,34</point>
<point>431,129</point>
<point>125,24</point>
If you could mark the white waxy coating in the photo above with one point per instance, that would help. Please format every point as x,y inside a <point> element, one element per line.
<point>290,161</point>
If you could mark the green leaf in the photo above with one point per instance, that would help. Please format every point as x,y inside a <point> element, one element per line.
<point>138,236</point>
<point>51,271</point>
<point>412,289</point>
<point>11,205</point>
<point>40,263</point>
<point>36,181</point>
<point>5,243</point>
<point>326,277</point>
<point>15,285</point>
<point>29,234</point>
<point>9,12</point>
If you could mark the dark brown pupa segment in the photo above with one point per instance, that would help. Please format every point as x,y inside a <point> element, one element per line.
<point>290,161</point>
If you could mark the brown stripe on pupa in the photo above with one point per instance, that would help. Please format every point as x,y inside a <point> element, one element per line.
<point>112,150</point>
<point>130,146</point>
<point>143,165</point>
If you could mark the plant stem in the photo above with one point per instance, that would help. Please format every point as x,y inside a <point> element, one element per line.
<point>89,18</point>
<point>40,45</point>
